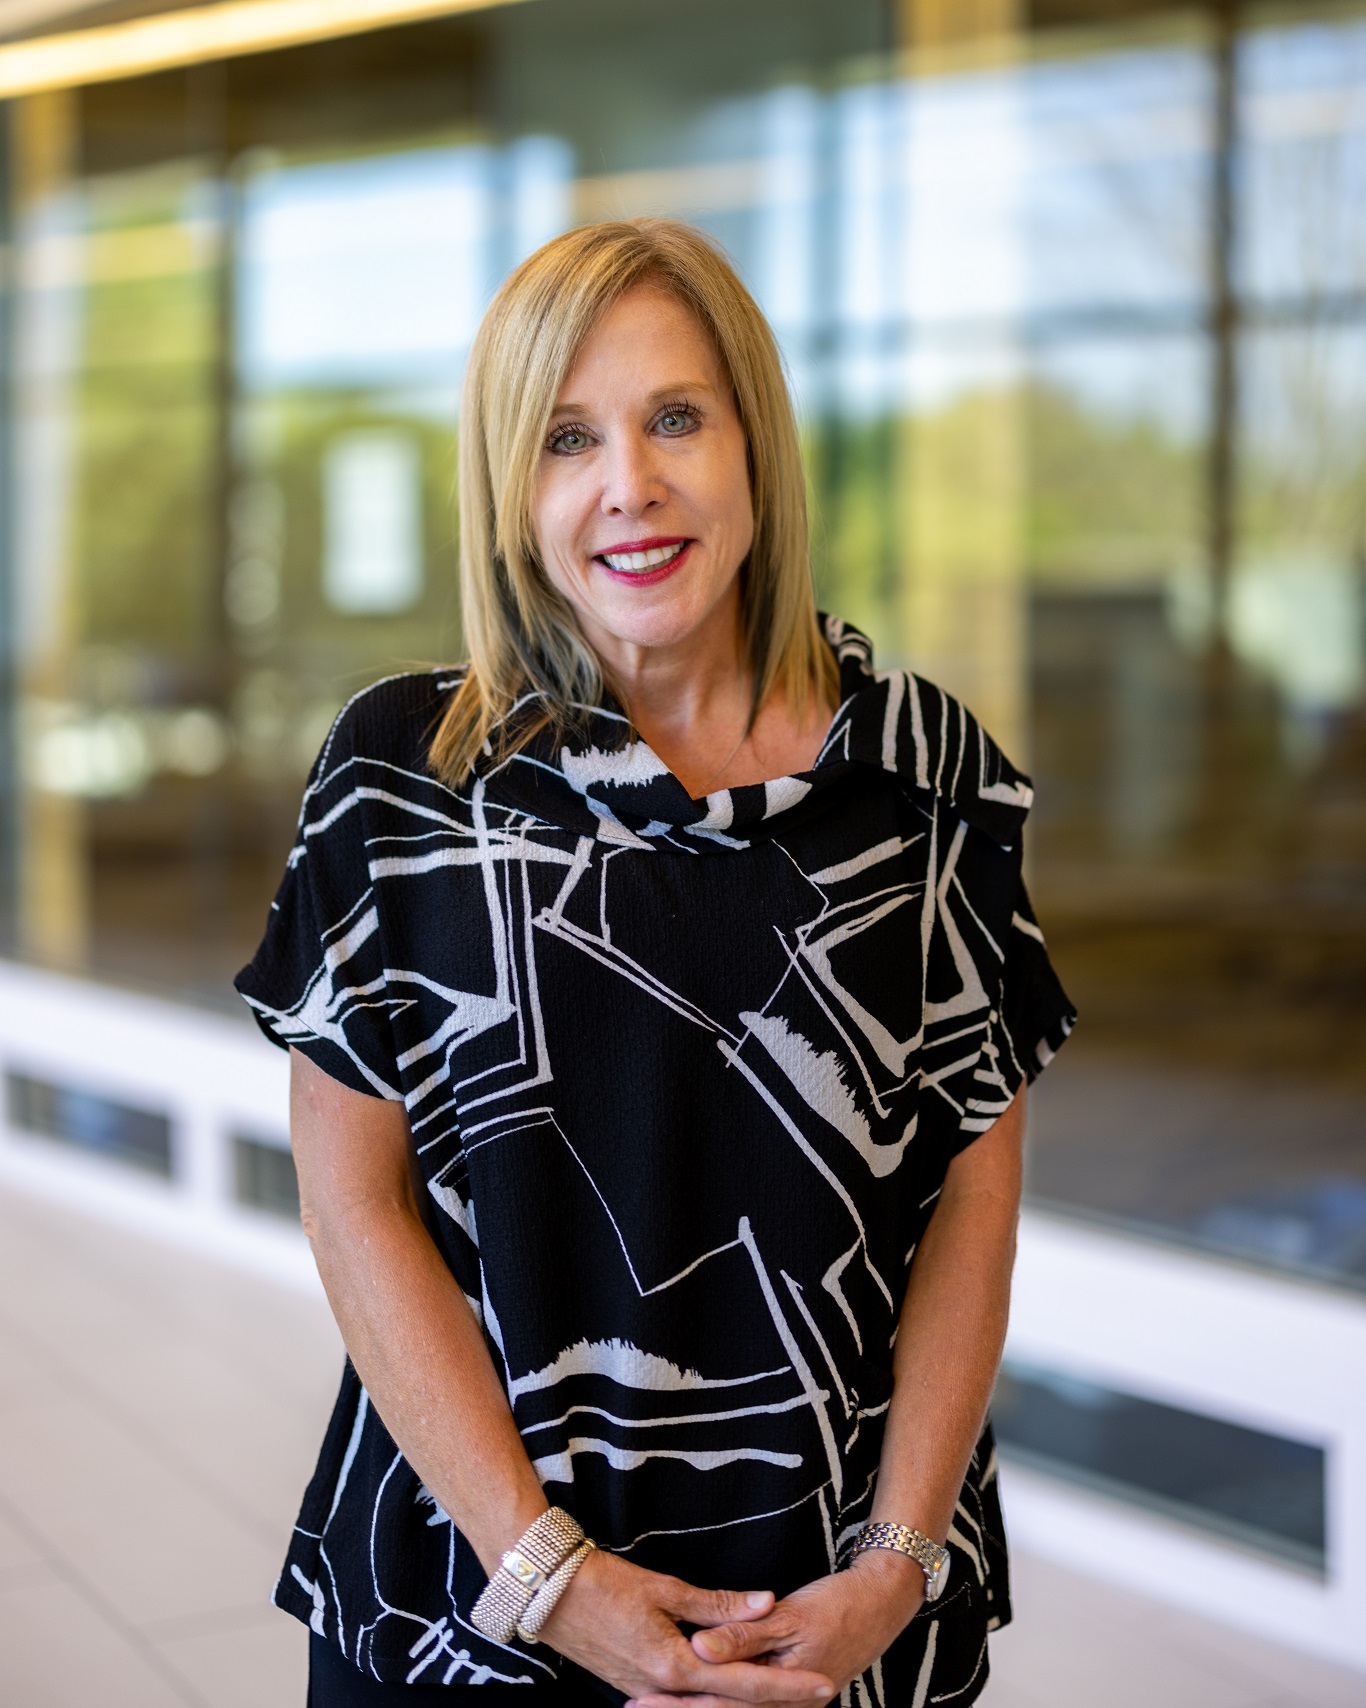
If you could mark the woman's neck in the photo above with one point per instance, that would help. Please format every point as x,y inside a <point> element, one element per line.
<point>690,700</point>
<point>692,704</point>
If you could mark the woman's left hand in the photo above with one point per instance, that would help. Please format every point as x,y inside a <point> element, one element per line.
<point>837,1626</point>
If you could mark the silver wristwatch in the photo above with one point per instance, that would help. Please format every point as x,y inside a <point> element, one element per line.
<point>915,1544</point>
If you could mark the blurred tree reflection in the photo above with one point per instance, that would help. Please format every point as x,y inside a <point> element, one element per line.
<point>1075,307</point>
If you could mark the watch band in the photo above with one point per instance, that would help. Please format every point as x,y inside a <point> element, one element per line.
<point>914,1544</point>
<point>526,1568</point>
<point>542,1604</point>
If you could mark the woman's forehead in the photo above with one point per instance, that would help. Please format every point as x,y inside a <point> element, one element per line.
<point>649,336</point>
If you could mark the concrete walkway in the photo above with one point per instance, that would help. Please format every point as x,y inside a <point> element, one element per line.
<point>159,1416</point>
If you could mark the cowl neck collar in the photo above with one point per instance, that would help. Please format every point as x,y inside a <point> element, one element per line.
<point>611,785</point>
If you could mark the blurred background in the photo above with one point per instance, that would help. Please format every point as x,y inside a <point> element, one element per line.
<point>1073,298</point>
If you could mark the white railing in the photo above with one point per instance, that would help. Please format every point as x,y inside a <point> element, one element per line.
<point>1218,1339</point>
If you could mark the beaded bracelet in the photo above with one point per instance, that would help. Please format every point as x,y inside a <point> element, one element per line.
<point>542,1604</point>
<point>526,1568</point>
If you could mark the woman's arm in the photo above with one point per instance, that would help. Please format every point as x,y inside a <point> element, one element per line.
<point>949,1342</point>
<point>421,1354</point>
<point>952,1332</point>
<point>407,1327</point>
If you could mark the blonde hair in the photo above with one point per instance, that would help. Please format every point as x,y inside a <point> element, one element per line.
<point>529,664</point>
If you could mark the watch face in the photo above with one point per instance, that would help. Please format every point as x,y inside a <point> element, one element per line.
<point>934,1582</point>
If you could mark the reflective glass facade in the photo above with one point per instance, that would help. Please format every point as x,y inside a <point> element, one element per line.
<point>1075,311</point>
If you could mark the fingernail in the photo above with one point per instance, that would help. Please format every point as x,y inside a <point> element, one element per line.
<point>757,1598</point>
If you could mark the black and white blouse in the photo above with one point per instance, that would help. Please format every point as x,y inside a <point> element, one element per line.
<point>684,1079</point>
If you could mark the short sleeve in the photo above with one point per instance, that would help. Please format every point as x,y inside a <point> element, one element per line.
<point>1035,1013</point>
<point>317,983</point>
<point>1028,1024</point>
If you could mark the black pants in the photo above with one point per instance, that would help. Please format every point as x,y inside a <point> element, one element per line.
<point>333,1682</point>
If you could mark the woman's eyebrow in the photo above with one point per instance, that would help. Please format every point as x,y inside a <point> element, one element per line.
<point>663,394</point>
<point>678,389</point>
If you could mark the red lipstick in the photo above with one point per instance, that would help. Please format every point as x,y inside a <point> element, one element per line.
<point>645,577</point>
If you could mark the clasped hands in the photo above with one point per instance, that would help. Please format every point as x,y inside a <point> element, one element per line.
<point>621,1622</point>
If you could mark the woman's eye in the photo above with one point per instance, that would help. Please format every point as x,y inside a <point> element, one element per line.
<point>675,421</point>
<point>569,439</point>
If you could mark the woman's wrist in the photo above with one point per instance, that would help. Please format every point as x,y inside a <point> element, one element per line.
<point>891,1582</point>
<point>572,1601</point>
<point>497,1532</point>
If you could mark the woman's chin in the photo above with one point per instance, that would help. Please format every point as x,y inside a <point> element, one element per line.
<point>659,617</point>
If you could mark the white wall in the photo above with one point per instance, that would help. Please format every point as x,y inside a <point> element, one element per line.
<point>212,1075</point>
<point>1216,1338</point>
<point>1212,1337</point>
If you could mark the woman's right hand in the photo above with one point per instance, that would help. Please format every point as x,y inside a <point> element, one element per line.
<point>621,1622</point>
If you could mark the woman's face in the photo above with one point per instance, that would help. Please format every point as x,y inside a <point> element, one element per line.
<point>642,508</point>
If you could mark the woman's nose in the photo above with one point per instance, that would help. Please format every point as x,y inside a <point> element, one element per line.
<point>632,481</point>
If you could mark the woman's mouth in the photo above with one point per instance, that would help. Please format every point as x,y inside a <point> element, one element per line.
<point>643,562</point>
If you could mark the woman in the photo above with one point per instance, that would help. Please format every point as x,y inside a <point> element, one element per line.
<point>661,989</point>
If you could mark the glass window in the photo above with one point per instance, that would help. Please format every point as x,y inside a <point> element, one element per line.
<point>1076,320</point>
<point>1200,848</point>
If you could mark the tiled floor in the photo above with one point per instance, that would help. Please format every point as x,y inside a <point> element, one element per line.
<point>1080,1644</point>
<point>158,1418</point>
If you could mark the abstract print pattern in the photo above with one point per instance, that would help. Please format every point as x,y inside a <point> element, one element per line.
<point>684,1079</point>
